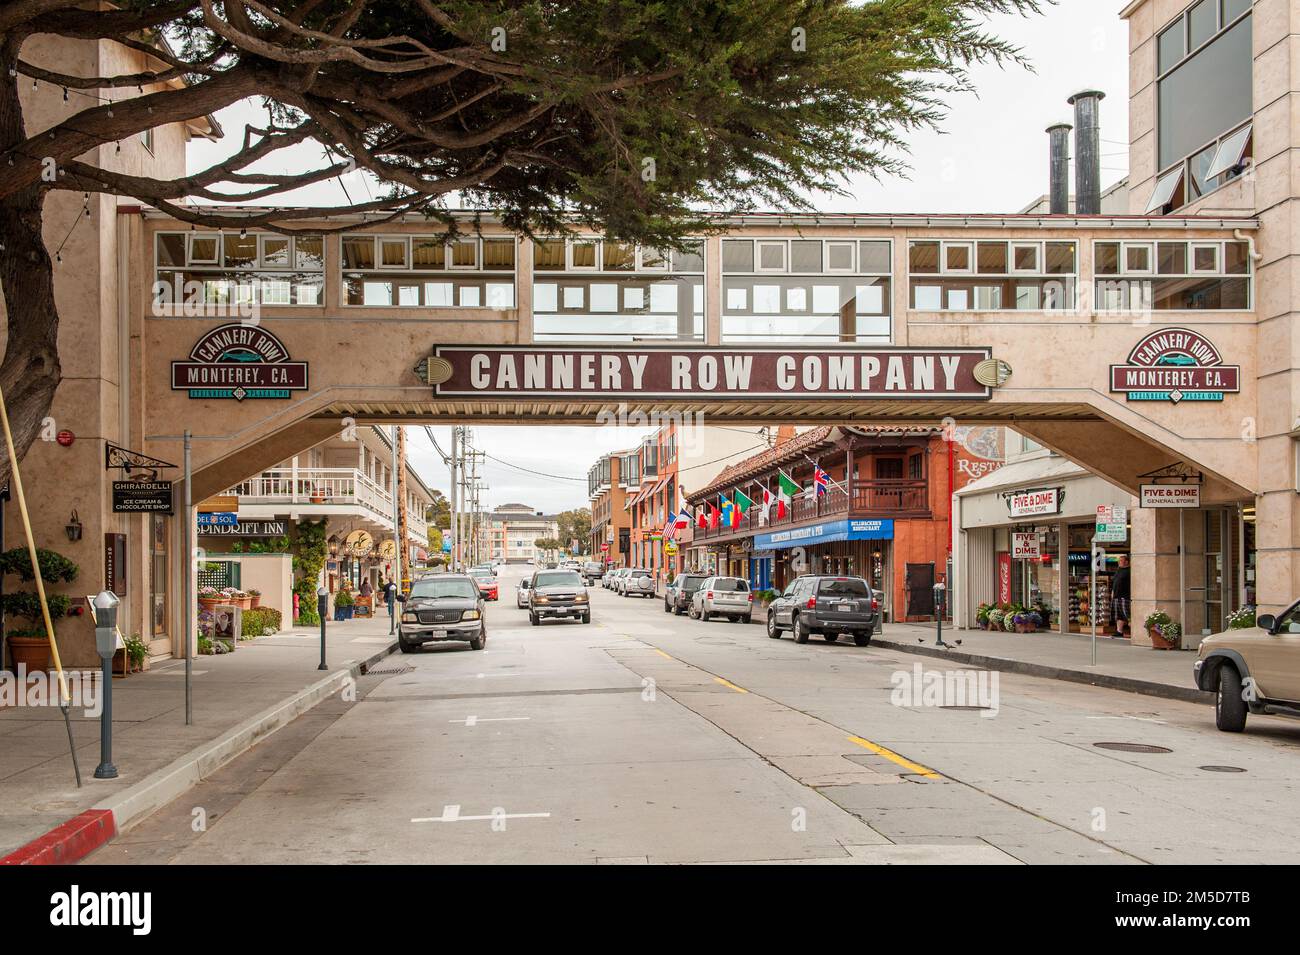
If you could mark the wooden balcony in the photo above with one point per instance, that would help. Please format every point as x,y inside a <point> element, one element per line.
<point>881,497</point>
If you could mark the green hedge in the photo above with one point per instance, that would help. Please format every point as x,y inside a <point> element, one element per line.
<point>258,620</point>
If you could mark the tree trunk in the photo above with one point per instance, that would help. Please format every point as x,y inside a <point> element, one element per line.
<point>30,372</point>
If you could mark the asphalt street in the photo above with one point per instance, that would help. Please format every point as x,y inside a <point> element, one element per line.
<point>646,737</point>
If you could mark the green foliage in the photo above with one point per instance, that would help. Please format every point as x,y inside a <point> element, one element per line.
<point>27,604</point>
<point>344,599</point>
<point>1241,619</point>
<point>574,524</point>
<point>258,621</point>
<point>55,568</point>
<point>438,513</point>
<point>136,649</point>
<point>310,553</point>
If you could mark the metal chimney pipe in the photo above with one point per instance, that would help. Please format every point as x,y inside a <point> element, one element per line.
<point>1058,193</point>
<point>1087,151</point>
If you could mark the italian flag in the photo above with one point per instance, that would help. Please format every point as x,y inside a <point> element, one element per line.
<point>786,490</point>
<point>743,503</point>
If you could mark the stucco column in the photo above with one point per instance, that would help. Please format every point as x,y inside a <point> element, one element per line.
<point>1063,577</point>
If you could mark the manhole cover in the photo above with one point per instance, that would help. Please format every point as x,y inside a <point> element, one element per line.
<point>1133,747</point>
<point>390,671</point>
<point>1223,769</point>
<point>965,708</point>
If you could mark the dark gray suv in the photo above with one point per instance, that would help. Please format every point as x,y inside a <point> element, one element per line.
<point>442,607</point>
<point>826,605</point>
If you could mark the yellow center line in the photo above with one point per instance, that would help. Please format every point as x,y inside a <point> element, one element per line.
<point>661,653</point>
<point>738,689</point>
<point>893,757</point>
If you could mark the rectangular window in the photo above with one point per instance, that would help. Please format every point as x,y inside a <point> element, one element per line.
<point>618,256</point>
<point>464,254</point>
<point>806,255</point>
<point>582,254</point>
<point>1205,95</point>
<point>771,257</point>
<point>499,254</point>
<point>1184,276</point>
<point>274,251</point>
<point>839,257</point>
<point>548,255</point>
<point>358,252</point>
<point>245,268</point>
<point>737,255</point>
<point>875,257</point>
<point>393,253</point>
<point>309,252</point>
<point>204,250</point>
<point>993,275</point>
<point>429,253</point>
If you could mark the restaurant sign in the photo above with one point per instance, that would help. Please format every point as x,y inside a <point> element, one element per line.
<point>239,361</point>
<point>1031,503</point>
<point>854,529</point>
<point>247,529</point>
<point>1175,364</point>
<point>1170,495</point>
<point>142,497</point>
<point>744,372</point>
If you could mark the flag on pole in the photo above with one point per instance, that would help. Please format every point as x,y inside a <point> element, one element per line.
<point>820,480</point>
<point>702,516</point>
<point>681,520</point>
<point>786,490</point>
<point>743,503</point>
<point>768,501</point>
<point>714,515</point>
<point>729,513</point>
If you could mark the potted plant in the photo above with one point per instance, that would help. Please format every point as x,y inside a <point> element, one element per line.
<point>1242,618</point>
<point>255,596</point>
<point>29,646</point>
<point>133,656</point>
<point>995,616</point>
<point>209,597</point>
<point>1165,633</point>
<point>343,605</point>
<point>982,615</point>
<point>318,495</point>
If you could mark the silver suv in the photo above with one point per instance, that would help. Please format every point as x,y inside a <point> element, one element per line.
<point>638,581</point>
<point>728,597</point>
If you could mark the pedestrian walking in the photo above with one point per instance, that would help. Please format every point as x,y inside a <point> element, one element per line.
<point>390,595</point>
<point>1119,598</point>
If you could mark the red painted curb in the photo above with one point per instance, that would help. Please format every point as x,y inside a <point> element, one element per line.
<point>64,844</point>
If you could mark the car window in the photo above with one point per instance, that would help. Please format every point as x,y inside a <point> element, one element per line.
<point>640,573</point>
<point>692,583</point>
<point>731,584</point>
<point>844,587</point>
<point>1289,622</point>
<point>438,588</point>
<point>559,578</point>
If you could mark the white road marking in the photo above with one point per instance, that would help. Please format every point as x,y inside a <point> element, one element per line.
<point>474,720</point>
<point>1143,719</point>
<point>452,814</point>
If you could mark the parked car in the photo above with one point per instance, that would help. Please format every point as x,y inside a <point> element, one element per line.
<point>728,597</point>
<point>558,593</point>
<point>446,607</point>
<point>592,571</point>
<point>638,581</point>
<point>521,592</point>
<point>677,596</point>
<point>827,605</point>
<point>610,577</point>
<point>1252,669</point>
<point>486,580</point>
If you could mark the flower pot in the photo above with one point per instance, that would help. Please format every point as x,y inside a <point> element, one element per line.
<point>209,603</point>
<point>243,603</point>
<point>1159,641</point>
<point>31,652</point>
<point>255,601</point>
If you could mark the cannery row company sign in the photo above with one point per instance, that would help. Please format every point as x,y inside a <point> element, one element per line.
<point>746,372</point>
<point>1175,364</point>
<point>239,361</point>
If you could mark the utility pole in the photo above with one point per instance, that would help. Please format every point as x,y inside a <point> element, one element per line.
<point>454,528</point>
<point>403,545</point>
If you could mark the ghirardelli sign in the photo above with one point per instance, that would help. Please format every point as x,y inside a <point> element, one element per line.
<point>716,372</point>
<point>1175,364</point>
<point>239,361</point>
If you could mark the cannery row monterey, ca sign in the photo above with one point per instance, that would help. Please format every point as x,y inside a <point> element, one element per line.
<point>1175,364</point>
<point>239,361</point>
<point>745,372</point>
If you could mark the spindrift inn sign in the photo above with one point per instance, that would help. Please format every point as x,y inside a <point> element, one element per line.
<point>664,372</point>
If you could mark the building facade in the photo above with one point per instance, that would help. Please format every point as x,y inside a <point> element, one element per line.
<point>610,482</point>
<point>512,532</point>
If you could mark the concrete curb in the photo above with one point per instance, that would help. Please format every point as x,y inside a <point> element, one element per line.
<point>1168,691</point>
<point>67,843</point>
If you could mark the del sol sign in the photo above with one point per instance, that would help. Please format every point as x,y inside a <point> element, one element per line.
<point>239,361</point>
<point>1175,364</point>
<point>749,372</point>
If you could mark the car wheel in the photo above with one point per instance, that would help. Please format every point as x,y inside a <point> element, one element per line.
<point>667,609</point>
<point>748,618</point>
<point>706,615</point>
<point>586,618</point>
<point>534,620</point>
<point>800,631</point>
<point>690,611</point>
<point>1229,707</point>
<point>830,637</point>
<point>862,639</point>
<point>406,646</point>
<point>773,630</point>
<point>477,642</point>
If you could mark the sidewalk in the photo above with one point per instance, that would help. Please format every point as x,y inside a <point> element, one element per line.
<point>1057,656</point>
<point>237,698</point>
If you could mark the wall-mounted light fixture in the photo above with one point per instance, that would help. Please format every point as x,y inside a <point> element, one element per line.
<point>73,527</point>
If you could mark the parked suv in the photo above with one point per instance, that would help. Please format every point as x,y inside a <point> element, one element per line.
<point>638,581</point>
<point>1253,669</point>
<point>827,605</point>
<point>592,571</point>
<point>728,597</point>
<point>677,596</point>
<point>445,607</point>
<point>558,593</point>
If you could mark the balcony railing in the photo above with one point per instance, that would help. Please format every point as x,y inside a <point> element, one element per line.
<point>315,486</point>
<point>880,497</point>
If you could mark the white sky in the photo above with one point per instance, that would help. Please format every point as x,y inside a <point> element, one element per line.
<point>990,156</point>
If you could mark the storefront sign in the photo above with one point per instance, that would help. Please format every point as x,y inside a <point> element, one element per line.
<point>1170,495</point>
<point>757,372</point>
<point>1175,364</point>
<point>239,361</point>
<point>142,497</point>
<point>828,532</point>
<point>1025,546</point>
<point>115,563</point>
<point>1046,500</point>
<point>218,519</point>
<point>1004,577</point>
<point>246,529</point>
<point>1112,523</point>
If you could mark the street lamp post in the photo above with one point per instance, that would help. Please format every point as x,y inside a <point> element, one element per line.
<point>106,645</point>
<point>322,605</point>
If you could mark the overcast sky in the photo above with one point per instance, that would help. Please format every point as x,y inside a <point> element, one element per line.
<point>990,156</point>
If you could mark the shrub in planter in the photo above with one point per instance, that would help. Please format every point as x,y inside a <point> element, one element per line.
<point>29,645</point>
<point>260,622</point>
<point>344,605</point>
<point>982,615</point>
<point>1242,619</point>
<point>994,618</point>
<point>1165,633</point>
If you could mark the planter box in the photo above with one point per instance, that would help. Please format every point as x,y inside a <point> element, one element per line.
<point>343,613</point>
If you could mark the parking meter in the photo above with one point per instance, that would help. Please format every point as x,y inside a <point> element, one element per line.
<point>106,645</point>
<point>940,591</point>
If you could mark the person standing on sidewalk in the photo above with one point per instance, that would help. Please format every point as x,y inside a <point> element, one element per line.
<point>1119,598</point>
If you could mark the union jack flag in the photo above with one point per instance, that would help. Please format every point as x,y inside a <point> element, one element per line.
<point>821,480</point>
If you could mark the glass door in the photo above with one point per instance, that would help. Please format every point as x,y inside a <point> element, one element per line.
<point>1214,567</point>
<point>158,576</point>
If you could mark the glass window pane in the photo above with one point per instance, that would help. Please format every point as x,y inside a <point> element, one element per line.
<point>275,251</point>
<point>1171,46</point>
<point>869,299</point>
<point>923,258</point>
<point>988,298</point>
<point>958,299</point>
<point>309,250</point>
<point>500,295</point>
<point>1205,258</point>
<point>771,256</point>
<point>548,255</point>
<point>470,296</point>
<point>1028,297</point>
<point>737,255</point>
<point>738,299</point>
<point>1199,165</point>
<point>1236,260</point>
<point>1208,95</point>
<point>1233,9</point>
<point>499,254</point>
<point>1201,23</point>
<point>1166,187</point>
<point>928,297</point>
<point>956,258</point>
<point>584,254</point>
<point>378,293</point>
<point>408,294</point>
<point>1025,258</point>
<point>1137,258</point>
<point>805,255</point>
<point>663,297</point>
<point>619,256</point>
<point>1059,258</point>
<point>545,297</point>
<point>1230,153</point>
<point>359,252</point>
<point>655,258</point>
<point>1171,258</point>
<point>464,254</point>
<point>203,249</point>
<point>839,256</point>
<point>1107,258</point>
<point>171,248</point>
<point>240,251</point>
<point>767,299</point>
<point>796,299</point>
<point>991,258</point>
<point>574,296</point>
<point>691,259</point>
<point>826,299</point>
<point>428,253</point>
<point>873,258</point>
<point>393,252</point>
<point>633,298</point>
<point>275,291</point>
<point>604,297</point>
<point>438,294</point>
